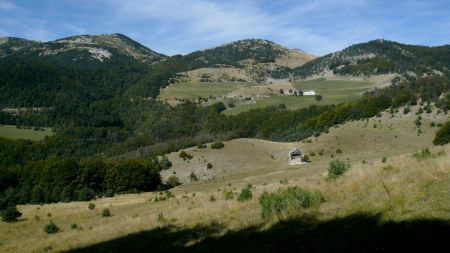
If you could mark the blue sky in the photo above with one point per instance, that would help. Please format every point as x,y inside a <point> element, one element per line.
<point>182,26</point>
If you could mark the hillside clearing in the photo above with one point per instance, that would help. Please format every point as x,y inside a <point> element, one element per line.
<point>12,132</point>
<point>246,96</point>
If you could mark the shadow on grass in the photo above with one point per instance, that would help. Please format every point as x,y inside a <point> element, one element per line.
<point>357,233</point>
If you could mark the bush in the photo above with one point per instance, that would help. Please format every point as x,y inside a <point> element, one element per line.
<point>337,168</point>
<point>173,181</point>
<point>338,151</point>
<point>201,146</point>
<point>231,104</point>
<point>73,226</point>
<point>406,110</point>
<point>193,177</point>
<point>217,145</point>
<point>106,213</point>
<point>305,158</point>
<point>183,154</point>
<point>422,155</point>
<point>227,195</point>
<point>10,214</point>
<point>285,203</point>
<point>443,135</point>
<point>91,206</point>
<point>246,194</point>
<point>212,199</point>
<point>51,228</point>
<point>209,166</point>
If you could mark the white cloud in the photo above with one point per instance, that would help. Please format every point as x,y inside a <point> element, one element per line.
<point>184,24</point>
<point>7,5</point>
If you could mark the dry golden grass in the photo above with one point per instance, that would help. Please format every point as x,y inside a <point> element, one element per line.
<point>401,188</point>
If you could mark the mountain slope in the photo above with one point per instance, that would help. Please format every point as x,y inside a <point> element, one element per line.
<point>100,48</point>
<point>380,57</point>
<point>79,80</point>
<point>244,60</point>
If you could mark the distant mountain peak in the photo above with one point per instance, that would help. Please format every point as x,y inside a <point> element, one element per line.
<point>101,47</point>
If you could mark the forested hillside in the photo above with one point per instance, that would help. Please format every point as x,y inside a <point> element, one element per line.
<point>380,57</point>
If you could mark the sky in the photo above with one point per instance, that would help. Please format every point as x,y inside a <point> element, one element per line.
<point>183,26</point>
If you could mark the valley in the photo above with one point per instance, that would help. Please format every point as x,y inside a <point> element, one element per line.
<point>249,161</point>
<point>136,150</point>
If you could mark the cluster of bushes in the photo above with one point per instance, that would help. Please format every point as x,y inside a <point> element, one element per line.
<point>185,156</point>
<point>443,135</point>
<point>288,202</point>
<point>245,194</point>
<point>337,168</point>
<point>217,145</point>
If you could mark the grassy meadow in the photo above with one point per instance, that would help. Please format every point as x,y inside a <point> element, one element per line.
<point>332,91</point>
<point>11,132</point>
<point>386,187</point>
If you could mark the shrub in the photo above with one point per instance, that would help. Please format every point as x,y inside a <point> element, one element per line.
<point>10,214</point>
<point>193,177</point>
<point>285,203</point>
<point>51,228</point>
<point>338,151</point>
<point>91,206</point>
<point>423,154</point>
<point>212,199</point>
<point>173,181</point>
<point>337,168</point>
<point>183,154</point>
<point>231,104</point>
<point>201,146</point>
<point>217,145</point>
<point>209,166</point>
<point>227,195</point>
<point>246,194</point>
<point>305,158</point>
<point>165,195</point>
<point>442,135</point>
<point>73,226</point>
<point>321,152</point>
<point>384,160</point>
<point>106,213</point>
<point>312,154</point>
<point>406,110</point>
<point>420,111</point>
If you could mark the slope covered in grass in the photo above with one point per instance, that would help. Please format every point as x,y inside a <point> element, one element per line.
<point>403,194</point>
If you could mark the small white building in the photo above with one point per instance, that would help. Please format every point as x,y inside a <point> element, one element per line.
<point>295,156</point>
<point>309,93</point>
